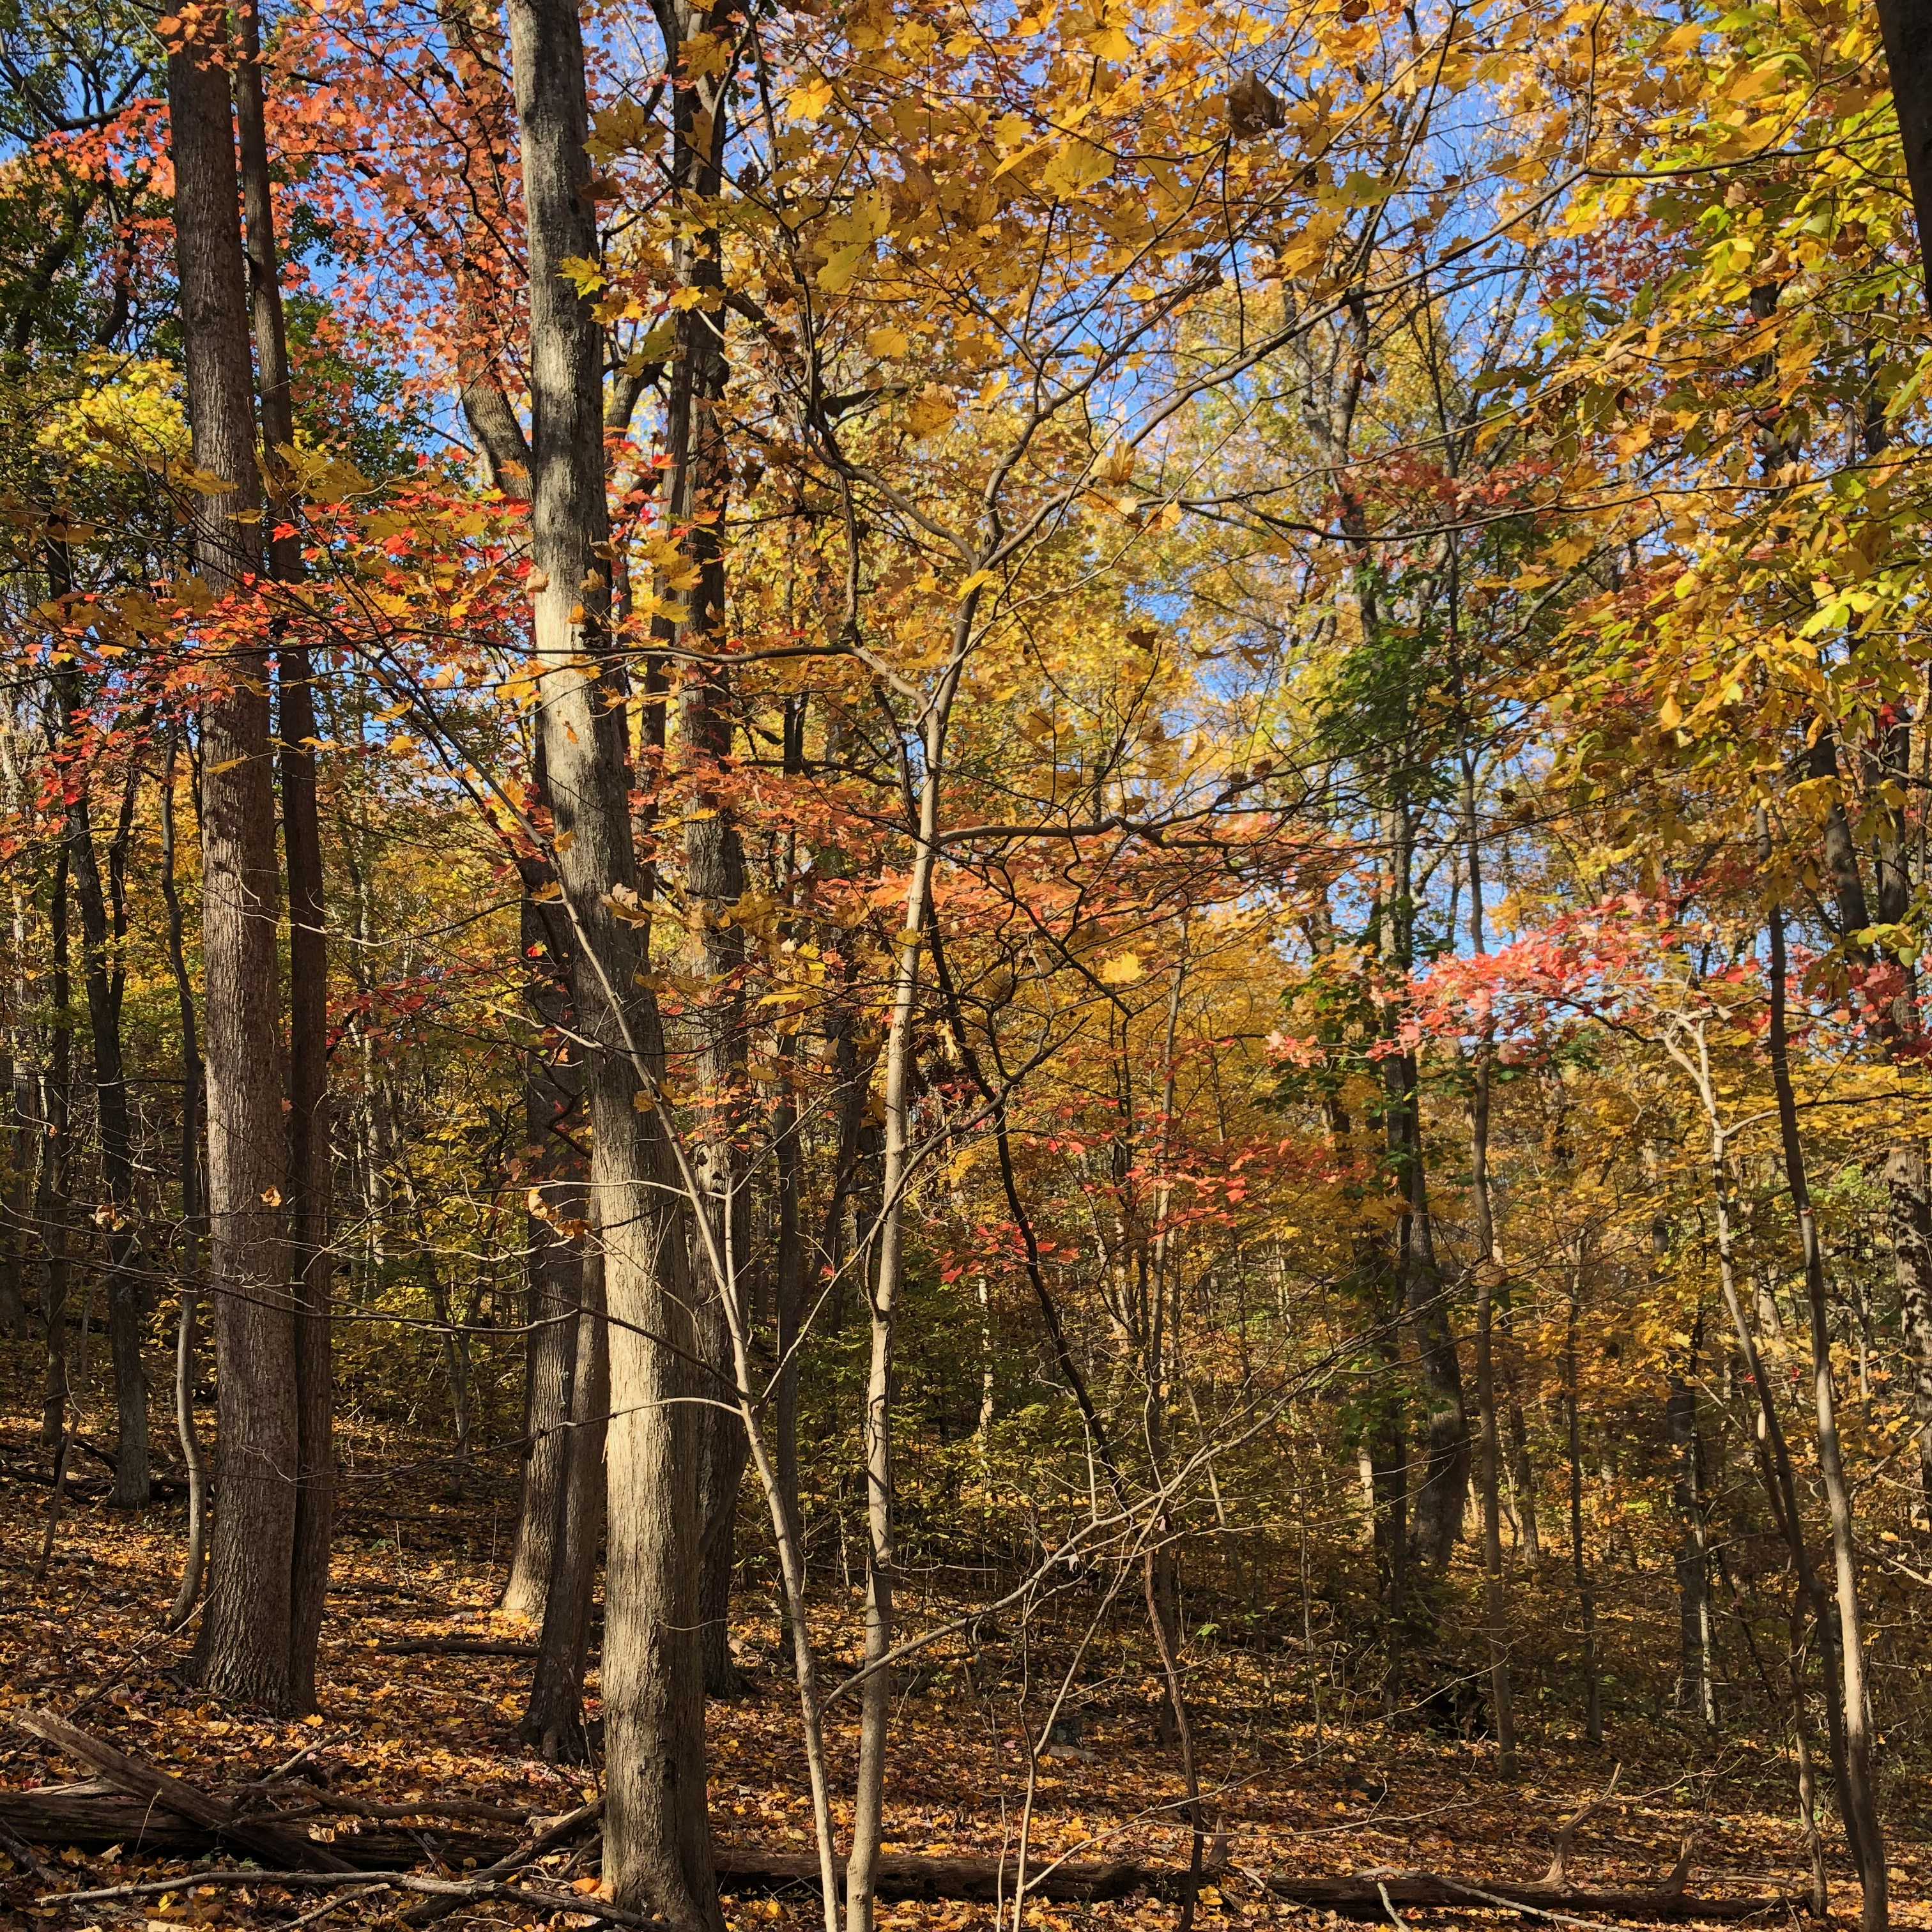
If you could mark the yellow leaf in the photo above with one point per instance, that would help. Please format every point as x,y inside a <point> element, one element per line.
<point>1672,716</point>
<point>1077,166</point>
<point>809,101</point>
<point>836,275</point>
<point>931,410</point>
<point>885,341</point>
<point>1121,971</point>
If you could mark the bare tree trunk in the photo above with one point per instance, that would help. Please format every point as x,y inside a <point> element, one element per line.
<point>311,1264</point>
<point>1910,1189</point>
<point>553,1268</point>
<point>1586,1594</point>
<point>553,1719</point>
<point>1780,1483</point>
<point>1695,1691</point>
<point>245,1648</point>
<point>657,1846</point>
<point>103,975</point>
<point>194,1561</point>
<point>1489,1276</point>
<point>713,853</point>
<point>52,1207</point>
<point>1860,1797</point>
<point>790,1297</point>
<point>23,1163</point>
<point>1522,1471</point>
<point>876,1432</point>
<point>1443,1492</point>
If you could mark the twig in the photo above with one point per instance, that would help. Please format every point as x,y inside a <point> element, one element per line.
<point>22,1854</point>
<point>323,1910</point>
<point>1388,1905</point>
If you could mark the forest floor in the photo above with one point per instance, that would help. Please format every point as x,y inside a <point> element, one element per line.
<point>400,1728</point>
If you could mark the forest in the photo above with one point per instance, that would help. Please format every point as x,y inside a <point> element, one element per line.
<point>963,963</point>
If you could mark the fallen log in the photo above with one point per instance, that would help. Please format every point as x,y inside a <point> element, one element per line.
<point>448,1892</point>
<point>903,1878</point>
<point>908,1878</point>
<point>93,1816</point>
<point>1370,1896</point>
<point>140,1779</point>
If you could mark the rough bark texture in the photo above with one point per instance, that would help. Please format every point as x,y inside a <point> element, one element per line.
<point>1910,1192</point>
<point>244,1642</point>
<point>309,1265</point>
<point>554,1266</point>
<point>1860,1797</point>
<point>712,855</point>
<point>100,930</point>
<point>553,1720</point>
<point>194,1230</point>
<point>52,1206</point>
<point>1694,1689</point>
<point>1907,27</point>
<point>657,1848</point>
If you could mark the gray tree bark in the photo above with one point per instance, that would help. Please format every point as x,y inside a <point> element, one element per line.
<point>657,1847</point>
<point>553,1719</point>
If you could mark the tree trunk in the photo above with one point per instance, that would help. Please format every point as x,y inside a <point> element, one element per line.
<point>1907,31</point>
<point>1489,1276</point>
<point>657,1847</point>
<point>309,1264</point>
<point>245,1647</point>
<point>102,974</point>
<point>24,1151</point>
<point>1860,1798</point>
<point>194,1561</point>
<point>1695,1692</point>
<point>553,1719</point>
<point>52,1207</point>
<point>554,1265</point>
<point>713,854</point>
<point>1910,1193</point>
<point>1443,1492</point>
<point>1586,1594</point>
<point>1522,1471</point>
<point>1773,1457</point>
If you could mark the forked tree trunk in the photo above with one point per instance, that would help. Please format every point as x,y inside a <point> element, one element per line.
<point>245,1647</point>
<point>657,1846</point>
